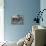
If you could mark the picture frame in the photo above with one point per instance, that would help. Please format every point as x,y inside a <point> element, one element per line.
<point>17,20</point>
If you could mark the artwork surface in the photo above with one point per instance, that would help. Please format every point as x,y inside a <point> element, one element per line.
<point>17,19</point>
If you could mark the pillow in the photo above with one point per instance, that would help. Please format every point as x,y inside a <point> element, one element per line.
<point>21,42</point>
<point>28,40</point>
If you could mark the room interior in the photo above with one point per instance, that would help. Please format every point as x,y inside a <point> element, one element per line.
<point>17,25</point>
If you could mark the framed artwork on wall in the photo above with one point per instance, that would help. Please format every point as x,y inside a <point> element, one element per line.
<point>17,20</point>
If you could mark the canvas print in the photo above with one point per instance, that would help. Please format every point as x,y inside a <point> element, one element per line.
<point>17,20</point>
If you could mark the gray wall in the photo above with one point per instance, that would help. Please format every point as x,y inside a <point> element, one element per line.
<point>43,6</point>
<point>28,8</point>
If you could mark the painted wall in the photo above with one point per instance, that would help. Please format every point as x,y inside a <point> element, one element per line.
<point>1,20</point>
<point>43,6</point>
<point>22,7</point>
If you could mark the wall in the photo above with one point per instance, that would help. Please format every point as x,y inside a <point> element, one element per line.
<point>1,20</point>
<point>43,6</point>
<point>22,7</point>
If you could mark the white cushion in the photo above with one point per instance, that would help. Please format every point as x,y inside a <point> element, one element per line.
<point>20,42</point>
